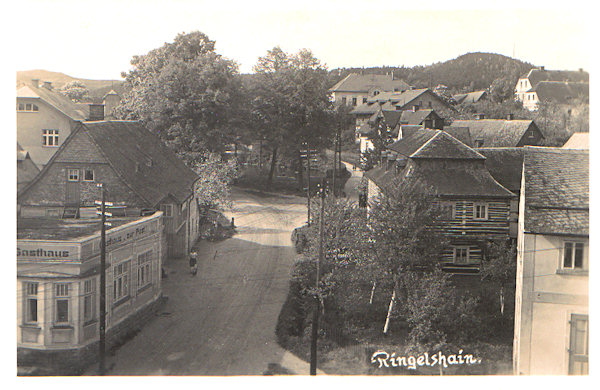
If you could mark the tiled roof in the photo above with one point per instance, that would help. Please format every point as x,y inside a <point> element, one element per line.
<point>460,133</point>
<point>365,109</point>
<point>407,96</point>
<point>414,117</point>
<point>21,153</point>
<point>561,92</point>
<point>578,141</point>
<point>496,132</point>
<point>438,144</point>
<point>55,99</point>
<point>537,75</point>
<point>471,97</point>
<point>505,165</point>
<point>556,191</point>
<point>159,173</point>
<point>364,83</point>
<point>391,117</point>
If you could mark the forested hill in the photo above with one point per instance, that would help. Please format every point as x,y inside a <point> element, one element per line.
<point>469,72</point>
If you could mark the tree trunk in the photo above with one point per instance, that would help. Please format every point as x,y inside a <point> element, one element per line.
<point>272,169</point>
<point>391,307</point>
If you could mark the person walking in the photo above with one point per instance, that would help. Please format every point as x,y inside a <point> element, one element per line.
<point>193,263</point>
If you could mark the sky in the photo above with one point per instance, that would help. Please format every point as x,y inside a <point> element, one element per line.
<point>97,39</point>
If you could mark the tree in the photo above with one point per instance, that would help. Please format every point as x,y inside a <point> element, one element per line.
<point>499,268</point>
<point>186,93</point>
<point>75,90</point>
<point>290,105</point>
<point>216,175</point>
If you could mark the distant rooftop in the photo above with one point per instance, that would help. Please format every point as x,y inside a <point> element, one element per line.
<point>62,229</point>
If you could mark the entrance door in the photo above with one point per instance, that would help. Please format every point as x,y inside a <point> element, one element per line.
<point>72,195</point>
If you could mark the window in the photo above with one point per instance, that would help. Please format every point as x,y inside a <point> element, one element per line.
<point>354,101</point>
<point>364,100</point>
<point>167,209</point>
<point>121,281</point>
<point>344,100</point>
<point>375,93</point>
<point>88,175</point>
<point>144,269</point>
<point>61,293</point>
<point>429,104</point>
<point>89,288</point>
<point>461,254</point>
<point>50,137</point>
<point>578,345</point>
<point>31,301</point>
<point>73,174</point>
<point>573,255</point>
<point>480,211</point>
<point>29,107</point>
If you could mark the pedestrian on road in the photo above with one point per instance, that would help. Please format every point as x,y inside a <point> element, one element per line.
<point>193,263</point>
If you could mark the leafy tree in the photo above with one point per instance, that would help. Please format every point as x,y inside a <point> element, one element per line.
<point>499,268</point>
<point>75,90</point>
<point>216,175</point>
<point>290,105</point>
<point>186,93</point>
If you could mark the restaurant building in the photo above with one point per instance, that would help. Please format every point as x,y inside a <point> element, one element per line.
<point>58,280</point>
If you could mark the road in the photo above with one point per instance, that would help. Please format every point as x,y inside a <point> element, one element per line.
<point>222,321</point>
<point>351,186</point>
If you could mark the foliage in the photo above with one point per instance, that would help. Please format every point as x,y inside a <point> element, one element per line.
<point>289,105</point>
<point>75,90</point>
<point>186,93</point>
<point>216,175</point>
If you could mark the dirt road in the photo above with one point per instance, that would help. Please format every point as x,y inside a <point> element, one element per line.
<point>222,321</point>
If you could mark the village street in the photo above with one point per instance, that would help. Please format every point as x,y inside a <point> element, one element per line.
<point>222,321</point>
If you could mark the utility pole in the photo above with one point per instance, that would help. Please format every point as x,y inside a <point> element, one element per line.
<point>102,327</point>
<point>315,322</point>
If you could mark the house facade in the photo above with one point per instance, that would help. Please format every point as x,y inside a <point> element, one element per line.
<point>139,173</point>
<point>476,207</point>
<point>58,285</point>
<point>354,89</point>
<point>562,93</point>
<point>529,81</point>
<point>552,286</point>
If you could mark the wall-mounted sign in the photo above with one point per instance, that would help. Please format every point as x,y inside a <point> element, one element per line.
<point>42,251</point>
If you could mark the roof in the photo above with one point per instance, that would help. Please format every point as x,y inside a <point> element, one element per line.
<point>21,153</point>
<point>415,117</point>
<point>127,144</point>
<point>391,117</point>
<point>62,229</point>
<point>578,141</point>
<point>537,75</point>
<point>463,134</point>
<point>55,99</point>
<point>365,109</point>
<point>355,82</point>
<point>407,96</point>
<point>496,132</point>
<point>505,165</point>
<point>556,191</point>
<point>561,92</point>
<point>471,97</point>
<point>138,157</point>
<point>433,144</point>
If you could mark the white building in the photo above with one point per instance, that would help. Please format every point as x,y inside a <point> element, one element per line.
<point>551,300</point>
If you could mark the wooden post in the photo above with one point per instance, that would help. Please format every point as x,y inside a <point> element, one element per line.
<point>102,327</point>
<point>315,323</point>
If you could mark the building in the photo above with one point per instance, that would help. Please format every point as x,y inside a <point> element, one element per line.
<point>427,118</point>
<point>470,97</point>
<point>562,93</point>
<point>139,172</point>
<point>26,168</point>
<point>551,302</point>
<point>58,285</point>
<point>477,207</point>
<point>354,89</point>
<point>530,80</point>
<point>578,141</point>
<point>501,132</point>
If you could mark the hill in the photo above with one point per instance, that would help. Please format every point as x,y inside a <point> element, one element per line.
<point>468,72</point>
<point>97,88</point>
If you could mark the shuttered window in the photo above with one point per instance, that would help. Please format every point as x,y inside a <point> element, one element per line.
<point>578,345</point>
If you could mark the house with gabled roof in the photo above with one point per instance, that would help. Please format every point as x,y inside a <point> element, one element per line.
<point>26,168</point>
<point>140,175</point>
<point>578,141</point>
<point>476,206</point>
<point>551,335</point>
<point>46,118</point>
<point>557,92</point>
<point>530,80</point>
<point>502,132</point>
<point>354,89</point>
<point>470,97</point>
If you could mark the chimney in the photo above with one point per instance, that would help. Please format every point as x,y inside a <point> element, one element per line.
<point>96,112</point>
<point>392,75</point>
<point>510,116</point>
<point>581,70</point>
<point>542,68</point>
<point>480,116</point>
<point>48,85</point>
<point>35,82</point>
